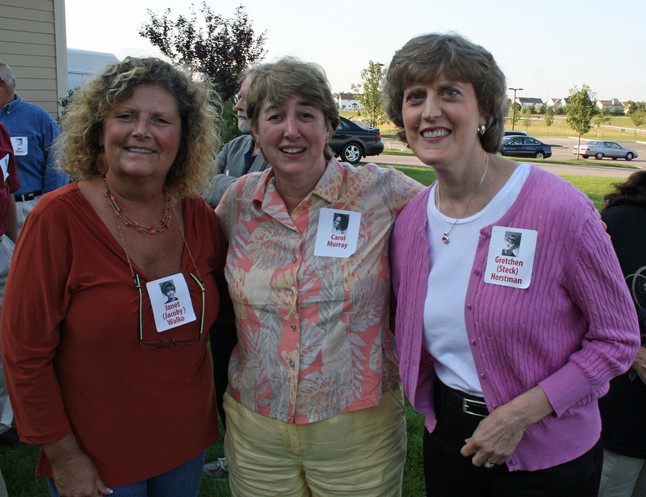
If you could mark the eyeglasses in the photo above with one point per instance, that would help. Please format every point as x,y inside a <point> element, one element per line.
<point>164,343</point>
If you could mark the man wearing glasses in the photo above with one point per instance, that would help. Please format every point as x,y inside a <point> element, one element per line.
<point>240,156</point>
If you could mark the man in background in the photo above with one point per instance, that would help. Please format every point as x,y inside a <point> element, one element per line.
<point>33,132</point>
<point>238,157</point>
<point>241,155</point>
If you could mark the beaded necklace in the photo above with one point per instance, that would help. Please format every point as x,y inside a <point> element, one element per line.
<point>125,219</point>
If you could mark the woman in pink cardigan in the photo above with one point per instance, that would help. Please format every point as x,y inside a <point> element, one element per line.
<point>505,354</point>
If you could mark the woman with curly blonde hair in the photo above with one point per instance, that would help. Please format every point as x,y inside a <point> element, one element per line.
<point>111,379</point>
<point>79,149</point>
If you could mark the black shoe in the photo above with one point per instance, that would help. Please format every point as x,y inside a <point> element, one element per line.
<point>9,437</point>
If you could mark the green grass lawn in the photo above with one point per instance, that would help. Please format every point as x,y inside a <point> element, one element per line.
<point>595,187</point>
<point>18,463</point>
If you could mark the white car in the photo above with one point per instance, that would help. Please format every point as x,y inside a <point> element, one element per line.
<point>601,149</point>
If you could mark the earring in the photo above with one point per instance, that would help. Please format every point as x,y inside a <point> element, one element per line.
<point>481,129</point>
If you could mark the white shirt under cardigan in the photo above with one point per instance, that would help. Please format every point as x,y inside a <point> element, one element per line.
<point>445,331</point>
<point>570,331</point>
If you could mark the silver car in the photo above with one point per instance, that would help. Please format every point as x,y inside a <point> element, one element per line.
<point>601,149</point>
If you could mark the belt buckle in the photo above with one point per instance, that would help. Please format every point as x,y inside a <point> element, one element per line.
<point>468,404</point>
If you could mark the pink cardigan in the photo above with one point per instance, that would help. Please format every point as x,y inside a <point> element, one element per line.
<point>570,332</point>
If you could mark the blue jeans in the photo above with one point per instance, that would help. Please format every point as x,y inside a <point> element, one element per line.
<point>183,481</point>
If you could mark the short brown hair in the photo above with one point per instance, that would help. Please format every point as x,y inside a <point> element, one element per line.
<point>277,81</point>
<point>427,57</point>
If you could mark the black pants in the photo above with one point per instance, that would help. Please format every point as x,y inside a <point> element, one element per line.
<point>449,474</point>
<point>223,338</point>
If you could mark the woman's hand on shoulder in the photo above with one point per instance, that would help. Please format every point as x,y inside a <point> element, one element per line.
<point>497,435</point>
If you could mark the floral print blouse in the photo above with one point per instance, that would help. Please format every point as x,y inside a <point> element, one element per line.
<point>314,334</point>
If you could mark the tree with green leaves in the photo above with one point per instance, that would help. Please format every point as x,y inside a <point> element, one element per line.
<point>600,119</point>
<point>638,117</point>
<point>514,113</point>
<point>220,47</point>
<point>369,93</point>
<point>549,117</point>
<point>63,102</point>
<point>631,106</point>
<point>580,110</point>
<point>526,114</point>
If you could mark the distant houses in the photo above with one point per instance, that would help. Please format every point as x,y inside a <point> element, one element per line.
<point>348,101</point>
<point>536,104</point>
<point>557,103</point>
<point>612,106</point>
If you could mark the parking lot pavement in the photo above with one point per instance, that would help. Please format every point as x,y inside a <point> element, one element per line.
<point>561,150</point>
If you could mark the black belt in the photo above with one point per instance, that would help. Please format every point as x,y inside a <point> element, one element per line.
<point>25,197</point>
<point>465,403</point>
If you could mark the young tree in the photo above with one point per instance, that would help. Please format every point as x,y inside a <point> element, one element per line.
<point>549,117</point>
<point>600,119</point>
<point>638,117</point>
<point>514,114</point>
<point>369,93</point>
<point>526,112</point>
<point>580,111</point>
<point>219,47</point>
<point>631,106</point>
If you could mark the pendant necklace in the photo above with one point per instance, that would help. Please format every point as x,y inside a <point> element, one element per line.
<point>445,233</point>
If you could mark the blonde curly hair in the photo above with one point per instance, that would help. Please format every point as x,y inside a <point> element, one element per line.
<point>195,164</point>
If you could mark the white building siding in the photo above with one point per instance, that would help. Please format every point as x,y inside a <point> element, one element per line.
<point>32,42</point>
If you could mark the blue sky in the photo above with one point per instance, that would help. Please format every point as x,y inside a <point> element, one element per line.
<point>545,47</point>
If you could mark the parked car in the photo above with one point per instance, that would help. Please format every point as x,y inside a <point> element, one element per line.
<point>515,133</point>
<point>601,149</point>
<point>351,142</point>
<point>525,146</point>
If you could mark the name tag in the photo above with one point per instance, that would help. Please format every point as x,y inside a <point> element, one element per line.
<point>511,257</point>
<point>20,145</point>
<point>4,165</point>
<point>338,233</point>
<point>171,302</point>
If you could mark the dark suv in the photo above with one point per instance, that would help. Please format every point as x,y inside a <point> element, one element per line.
<point>351,142</point>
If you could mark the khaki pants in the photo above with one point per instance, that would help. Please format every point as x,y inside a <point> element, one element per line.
<point>23,209</point>
<point>359,454</point>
